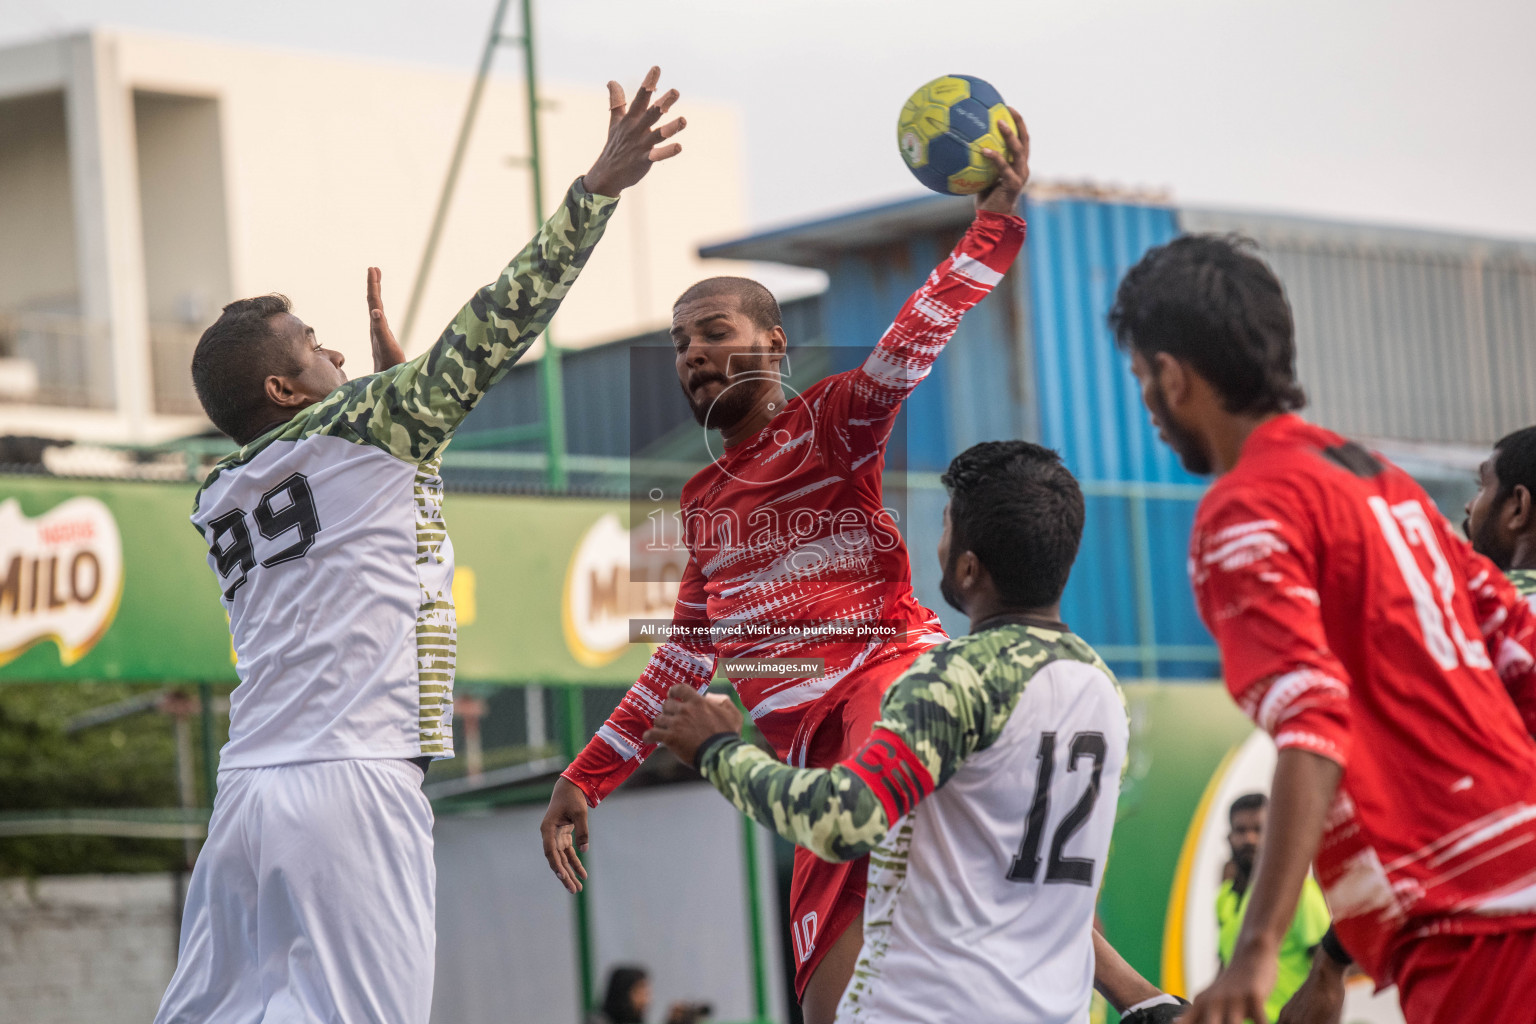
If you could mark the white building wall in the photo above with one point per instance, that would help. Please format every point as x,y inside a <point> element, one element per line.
<point>331,165</point>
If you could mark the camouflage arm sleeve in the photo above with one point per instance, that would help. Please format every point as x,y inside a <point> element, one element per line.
<point>412,410</point>
<point>932,719</point>
<point>830,811</point>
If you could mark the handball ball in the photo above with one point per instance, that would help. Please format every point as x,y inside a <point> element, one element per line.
<point>944,127</point>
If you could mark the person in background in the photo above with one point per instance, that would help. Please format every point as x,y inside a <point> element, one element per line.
<point>1501,517</point>
<point>1246,817</point>
<point>627,1000</point>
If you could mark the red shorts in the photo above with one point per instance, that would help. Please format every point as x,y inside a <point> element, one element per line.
<point>1458,979</point>
<point>825,898</point>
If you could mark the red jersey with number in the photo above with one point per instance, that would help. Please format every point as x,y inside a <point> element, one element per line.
<point>792,554</point>
<point>1354,623</point>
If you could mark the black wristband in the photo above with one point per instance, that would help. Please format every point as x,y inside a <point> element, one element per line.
<point>707,745</point>
<point>1329,944</point>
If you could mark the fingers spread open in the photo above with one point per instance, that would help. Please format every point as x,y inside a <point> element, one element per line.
<point>1000,162</point>
<point>1021,130</point>
<point>615,102</point>
<point>643,94</point>
<point>669,129</point>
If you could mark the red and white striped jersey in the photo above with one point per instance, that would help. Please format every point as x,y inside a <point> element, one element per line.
<point>790,546</point>
<point>1353,622</point>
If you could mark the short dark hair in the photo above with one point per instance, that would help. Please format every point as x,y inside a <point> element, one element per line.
<point>756,300</point>
<point>1514,462</point>
<point>1245,803</point>
<point>233,359</point>
<point>1209,301</point>
<point>1020,510</point>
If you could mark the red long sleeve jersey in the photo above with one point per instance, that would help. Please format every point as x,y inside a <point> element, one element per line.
<point>786,532</point>
<point>1354,623</point>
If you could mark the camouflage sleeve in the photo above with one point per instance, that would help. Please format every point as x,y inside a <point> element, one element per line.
<point>412,410</point>
<point>830,811</point>
<point>932,719</point>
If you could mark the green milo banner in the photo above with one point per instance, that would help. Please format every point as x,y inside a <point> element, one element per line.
<point>108,581</point>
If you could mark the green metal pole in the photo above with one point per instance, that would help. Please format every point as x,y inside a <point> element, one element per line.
<point>755,921</point>
<point>549,367</point>
<point>435,234</point>
<point>1141,556</point>
<point>575,739</point>
<point>210,753</point>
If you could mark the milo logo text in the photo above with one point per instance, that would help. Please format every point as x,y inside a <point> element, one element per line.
<point>61,575</point>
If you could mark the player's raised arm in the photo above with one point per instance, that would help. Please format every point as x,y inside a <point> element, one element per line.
<point>931,720</point>
<point>413,409</point>
<point>930,317</point>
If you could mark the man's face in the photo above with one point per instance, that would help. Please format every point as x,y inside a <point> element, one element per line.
<point>1482,525</point>
<point>949,587</point>
<point>1184,442</point>
<point>317,370</point>
<point>715,342</point>
<point>1246,835</point>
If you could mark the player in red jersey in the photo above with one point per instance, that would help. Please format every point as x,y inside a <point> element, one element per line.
<point>1367,638</point>
<point>787,533</point>
<point>1501,524</point>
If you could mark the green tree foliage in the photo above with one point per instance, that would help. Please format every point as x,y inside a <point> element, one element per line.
<point>127,763</point>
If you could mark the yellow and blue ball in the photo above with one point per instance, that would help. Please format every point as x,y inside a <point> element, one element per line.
<point>944,127</point>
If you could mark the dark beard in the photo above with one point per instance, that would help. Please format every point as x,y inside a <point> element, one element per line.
<point>735,401</point>
<point>947,588</point>
<point>1486,543</point>
<point>1192,455</point>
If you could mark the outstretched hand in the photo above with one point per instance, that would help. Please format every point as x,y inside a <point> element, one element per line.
<point>1012,167</point>
<point>688,718</point>
<point>634,142</point>
<point>386,350</point>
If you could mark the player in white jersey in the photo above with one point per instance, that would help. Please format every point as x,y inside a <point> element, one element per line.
<point>313,898</point>
<point>985,795</point>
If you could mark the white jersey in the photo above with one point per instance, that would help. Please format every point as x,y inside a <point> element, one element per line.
<point>338,576</point>
<point>985,797</point>
<point>980,902</point>
<point>327,536</point>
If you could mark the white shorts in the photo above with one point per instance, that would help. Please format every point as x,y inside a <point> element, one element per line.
<point>312,900</point>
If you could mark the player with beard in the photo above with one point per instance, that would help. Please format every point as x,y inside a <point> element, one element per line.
<point>1377,648</point>
<point>1501,517</point>
<point>985,796</point>
<point>787,537</point>
<point>1501,524</point>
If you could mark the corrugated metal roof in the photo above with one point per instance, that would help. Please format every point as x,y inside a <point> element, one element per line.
<point>1089,406</point>
<point>821,242</point>
<point>1410,335</point>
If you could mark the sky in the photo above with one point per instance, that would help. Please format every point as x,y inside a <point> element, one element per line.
<point>1411,112</point>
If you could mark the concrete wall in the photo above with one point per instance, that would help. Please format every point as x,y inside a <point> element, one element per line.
<point>92,949</point>
<point>181,196</point>
<point>37,224</point>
